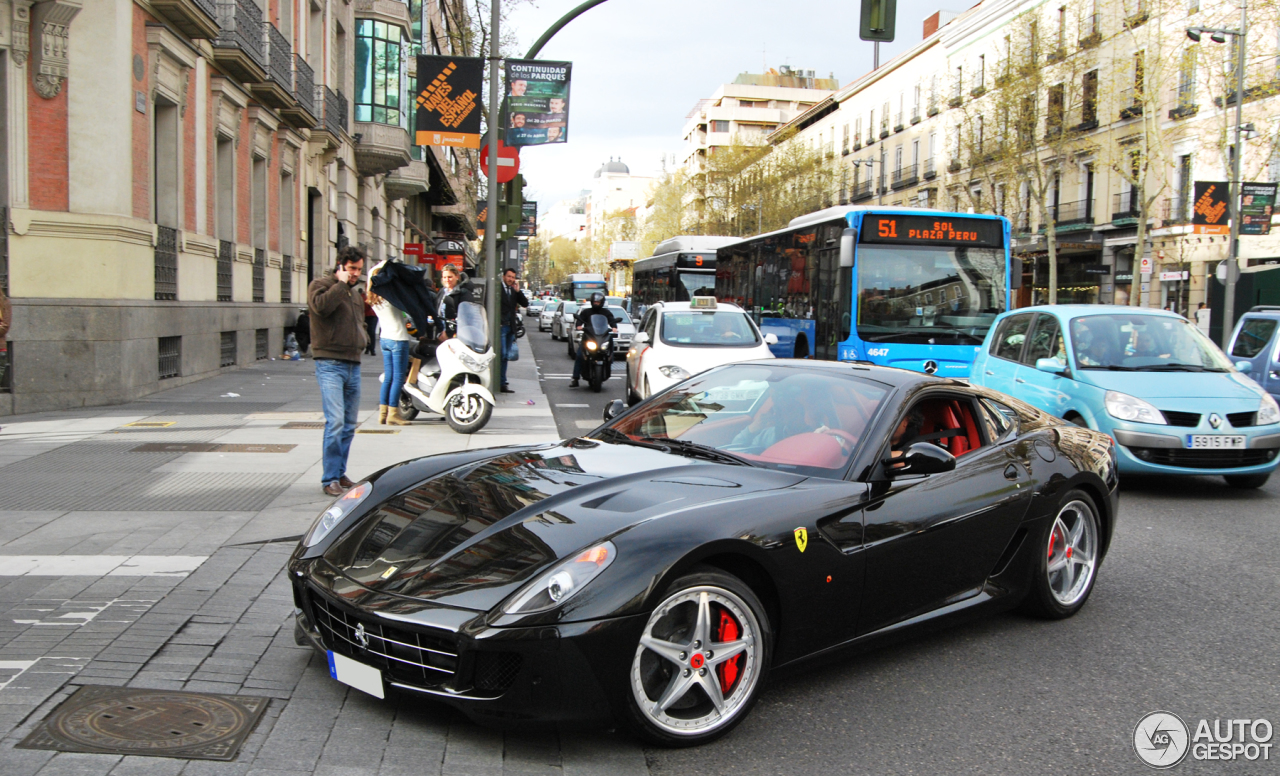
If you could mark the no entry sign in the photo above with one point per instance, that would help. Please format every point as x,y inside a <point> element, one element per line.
<point>508,162</point>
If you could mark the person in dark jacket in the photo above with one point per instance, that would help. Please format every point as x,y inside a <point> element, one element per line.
<point>512,299</point>
<point>302,331</point>
<point>451,295</point>
<point>338,338</point>
<point>597,307</point>
<point>370,324</point>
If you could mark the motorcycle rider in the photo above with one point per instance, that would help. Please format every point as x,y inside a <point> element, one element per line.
<point>580,320</point>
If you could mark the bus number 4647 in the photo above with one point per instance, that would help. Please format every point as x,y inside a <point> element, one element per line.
<point>877,351</point>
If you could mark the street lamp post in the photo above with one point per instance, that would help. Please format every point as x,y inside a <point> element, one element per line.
<point>1233,262</point>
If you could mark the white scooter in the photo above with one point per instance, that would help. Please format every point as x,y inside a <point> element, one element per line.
<point>453,383</point>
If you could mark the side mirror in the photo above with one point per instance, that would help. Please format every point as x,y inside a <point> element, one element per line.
<point>613,409</point>
<point>771,339</point>
<point>1244,367</point>
<point>1051,365</point>
<point>847,239</point>
<point>922,458</point>
<point>640,338</point>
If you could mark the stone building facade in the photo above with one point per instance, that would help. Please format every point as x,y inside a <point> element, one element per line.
<point>173,173</point>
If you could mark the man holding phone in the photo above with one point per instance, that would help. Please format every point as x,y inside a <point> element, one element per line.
<point>337,339</point>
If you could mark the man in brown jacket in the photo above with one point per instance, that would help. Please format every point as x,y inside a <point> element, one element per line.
<point>337,340</point>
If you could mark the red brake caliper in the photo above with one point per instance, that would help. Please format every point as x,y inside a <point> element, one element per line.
<point>728,670</point>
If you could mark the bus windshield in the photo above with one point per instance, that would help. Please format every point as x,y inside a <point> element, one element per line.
<point>582,290</point>
<point>928,294</point>
<point>696,284</point>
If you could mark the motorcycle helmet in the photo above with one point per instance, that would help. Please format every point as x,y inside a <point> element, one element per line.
<point>597,299</point>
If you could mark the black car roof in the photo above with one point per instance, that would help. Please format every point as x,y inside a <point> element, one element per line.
<point>889,375</point>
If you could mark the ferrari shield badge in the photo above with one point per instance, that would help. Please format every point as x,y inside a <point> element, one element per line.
<point>802,538</point>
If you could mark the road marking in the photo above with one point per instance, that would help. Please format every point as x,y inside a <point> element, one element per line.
<point>588,423</point>
<point>573,405</point>
<point>99,565</point>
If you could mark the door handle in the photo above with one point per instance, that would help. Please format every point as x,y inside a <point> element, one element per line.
<point>1011,472</point>
<point>1018,380</point>
<point>990,372</point>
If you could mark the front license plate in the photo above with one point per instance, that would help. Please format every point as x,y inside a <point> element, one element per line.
<point>360,676</point>
<point>1215,442</point>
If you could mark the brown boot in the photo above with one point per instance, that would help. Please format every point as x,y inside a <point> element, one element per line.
<point>382,414</point>
<point>394,418</point>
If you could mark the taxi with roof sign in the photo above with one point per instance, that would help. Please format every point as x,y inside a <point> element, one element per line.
<point>677,340</point>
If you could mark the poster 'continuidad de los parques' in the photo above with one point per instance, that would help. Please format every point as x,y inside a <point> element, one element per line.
<point>537,102</point>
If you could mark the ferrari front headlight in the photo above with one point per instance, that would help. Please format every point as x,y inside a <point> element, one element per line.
<point>563,581</point>
<point>335,514</point>
<point>1269,412</point>
<point>1126,407</point>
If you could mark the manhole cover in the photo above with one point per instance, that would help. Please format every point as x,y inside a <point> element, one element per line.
<point>151,424</point>
<point>157,723</point>
<point>208,447</point>
<point>375,431</point>
<point>303,424</point>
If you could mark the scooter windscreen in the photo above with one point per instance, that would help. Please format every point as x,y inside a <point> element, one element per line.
<point>473,330</point>
<point>597,324</point>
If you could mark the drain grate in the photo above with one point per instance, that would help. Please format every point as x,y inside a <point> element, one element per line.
<point>207,447</point>
<point>151,424</point>
<point>304,424</point>
<point>155,723</point>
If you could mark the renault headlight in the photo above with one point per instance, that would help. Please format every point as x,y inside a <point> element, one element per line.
<point>562,581</point>
<point>1269,412</point>
<point>1126,407</point>
<point>674,372</point>
<point>329,519</point>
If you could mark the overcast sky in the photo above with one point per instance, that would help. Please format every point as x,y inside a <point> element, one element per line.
<point>639,67</point>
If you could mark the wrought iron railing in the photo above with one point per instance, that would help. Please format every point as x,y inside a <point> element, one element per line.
<point>261,345</point>
<point>279,56</point>
<point>286,279</point>
<point>241,22</point>
<point>862,190</point>
<point>334,107</point>
<point>226,255</point>
<point>1126,204</point>
<point>228,349</point>
<point>166,263</point>
<point>259,275</point>
<point>906,176</point>
<point>1071,213</point>
<point>209,6</point>
<point>304,84</point>
<point>169,361</point>
<point>929,169</point>
<point>1176,210</point>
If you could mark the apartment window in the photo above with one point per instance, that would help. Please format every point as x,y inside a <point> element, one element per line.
<point>378,86</point>
<point>258,202</point>
<point>169,363</point>
<point>871,126</point>
<point>915,103</point>
<point>897,160</point>
<point>1053,122</point>
<point>955,143</point>
<point>959,84</point>
<point>1089,98</point>
<point>857,131</point>
<point>1187,77</point>
<point>979,78</point>
<point>979,129</point>
<point>288,231</point>
<point>998,202</point>
<point>226,193</point>
<point>227,355</point>
<point>1033,36</point>
<point>315,38</point>
<point>166,164</point>
<point>975,196</point>
<point>933,145</point>
<point>415,26</point>
<point>844,146</point>
<point>1193,6</point>
<point>915,152</point>
<point>719,126</point>
<point>1062,27</point>
<point>261,345</point>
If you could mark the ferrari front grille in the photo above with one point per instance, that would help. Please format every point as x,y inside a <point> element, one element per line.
<point>421,658</point>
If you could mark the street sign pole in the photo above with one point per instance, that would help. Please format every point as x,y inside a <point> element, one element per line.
<point>491,222</point>
<point>1233,265</point>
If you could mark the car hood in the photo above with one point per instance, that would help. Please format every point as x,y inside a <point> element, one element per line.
<point>1173,385</point>
<point>471,537</point>
<point>695,360</point>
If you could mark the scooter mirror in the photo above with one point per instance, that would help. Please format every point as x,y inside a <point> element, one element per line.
<point>613,409</point>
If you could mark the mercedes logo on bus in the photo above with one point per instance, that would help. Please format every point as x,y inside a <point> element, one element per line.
<point>930,367</point>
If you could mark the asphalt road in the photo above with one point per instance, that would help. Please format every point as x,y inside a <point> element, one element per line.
<point>1183,619</point>
<point>576,410</point>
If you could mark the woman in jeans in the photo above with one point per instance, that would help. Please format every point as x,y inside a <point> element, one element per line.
<point>395,355</point>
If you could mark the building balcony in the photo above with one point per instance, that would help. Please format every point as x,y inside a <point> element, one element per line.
<point>1130,103</point>
<point>915,116</point>
<point>331,121</point>
<point>408,181</point>
<point>1092,29</point>
<point>930,169</point>
<point>956,101</point>
<point>905,177</point>
<point>238,49</point>
<point>193,18</point>
<point>1125,208</point>
<point>953,166</point>
<point>1176,211</point>
<point>862,191</point>
<point>303,112</point>
<point>1184,105</point>
<point>380,148</point>
<point>277,90</point>
<point>393,12</point>
<point>1071,216</point>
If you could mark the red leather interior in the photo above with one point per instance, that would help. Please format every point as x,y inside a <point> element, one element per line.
<point>949,415</point>
<point>808,449</point>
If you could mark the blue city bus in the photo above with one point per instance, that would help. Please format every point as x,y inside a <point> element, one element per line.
<point>579,287</point>
<point>905,287</point>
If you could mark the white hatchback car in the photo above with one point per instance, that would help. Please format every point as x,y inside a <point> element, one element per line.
<point>677,340</point>
<point>548,314</point>
<point>562,323</point>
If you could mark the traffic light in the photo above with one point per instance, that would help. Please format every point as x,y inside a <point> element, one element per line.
<point>877,19</point>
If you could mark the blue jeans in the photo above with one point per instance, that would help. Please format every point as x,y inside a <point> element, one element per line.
<point>340,394</point>
<point>508,345</point>
<point>395,367</point>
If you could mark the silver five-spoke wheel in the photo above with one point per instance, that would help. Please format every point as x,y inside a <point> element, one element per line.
<point>698,662</point>
<point>1072,552</point>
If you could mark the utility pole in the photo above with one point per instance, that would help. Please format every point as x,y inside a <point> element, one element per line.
<point>491,222</point>
<point>1233,264</point>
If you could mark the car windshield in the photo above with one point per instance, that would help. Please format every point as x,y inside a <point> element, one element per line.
<point>1137,342</point>
<point>569,308</point>
<point>780,418</point>
<point>722,328</point>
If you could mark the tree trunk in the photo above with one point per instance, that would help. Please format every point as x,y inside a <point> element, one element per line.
<point>1139,250</point>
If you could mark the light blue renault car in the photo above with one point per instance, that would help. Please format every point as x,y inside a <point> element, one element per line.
<point>1174,403</point>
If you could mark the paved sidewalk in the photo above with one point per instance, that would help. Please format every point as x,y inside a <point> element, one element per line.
<point>126,560</point>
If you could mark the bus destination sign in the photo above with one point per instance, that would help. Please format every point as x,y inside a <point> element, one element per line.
<point>926,230</point>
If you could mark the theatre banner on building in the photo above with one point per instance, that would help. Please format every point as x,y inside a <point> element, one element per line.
<point>1209,210</point>
<point>448,101</point>
<point>1257,202</point>
<point>537,102</point>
